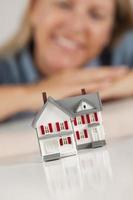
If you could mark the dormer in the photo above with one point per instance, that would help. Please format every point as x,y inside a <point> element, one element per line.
<point>84,105</point>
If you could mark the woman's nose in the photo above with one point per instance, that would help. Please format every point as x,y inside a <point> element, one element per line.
<point>79,23</point>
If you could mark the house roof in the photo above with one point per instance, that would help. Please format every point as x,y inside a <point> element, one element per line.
<point>69,105</point>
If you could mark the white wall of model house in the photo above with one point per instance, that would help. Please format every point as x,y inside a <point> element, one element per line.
<point>52,114</point>
<point>52,146</point>
<point>95,133</point>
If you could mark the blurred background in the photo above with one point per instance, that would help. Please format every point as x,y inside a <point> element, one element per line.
<point>12,10</point>
<point>30,61</point>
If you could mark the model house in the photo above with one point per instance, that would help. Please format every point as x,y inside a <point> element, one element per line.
<point>64,126</point>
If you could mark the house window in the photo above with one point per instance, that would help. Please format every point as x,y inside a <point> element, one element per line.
<point>82,135</point>
<point>65,140</point>
<point>79,120</point>
<point>42,130</point>
<point>94,129</point>
<point>84,106</point>
<point>46,129</point>
<point>62,126</point>
<point>92,117</point>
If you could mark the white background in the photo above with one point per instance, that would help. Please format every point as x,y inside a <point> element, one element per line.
<point>11,12</point>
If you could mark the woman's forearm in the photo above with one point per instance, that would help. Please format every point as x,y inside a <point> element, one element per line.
<point>21,98</point>
<point>14,99</point>
<point>121,88</point>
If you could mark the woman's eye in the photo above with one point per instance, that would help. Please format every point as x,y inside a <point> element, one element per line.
<point>97,15</point>
<point>64,5</point>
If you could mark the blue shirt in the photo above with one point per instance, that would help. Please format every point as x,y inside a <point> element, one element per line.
<point>20,68</point>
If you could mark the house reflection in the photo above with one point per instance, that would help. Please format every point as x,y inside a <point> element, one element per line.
<point>87,170</point>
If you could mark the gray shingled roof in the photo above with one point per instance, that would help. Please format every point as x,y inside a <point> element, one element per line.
<point>69,105</point>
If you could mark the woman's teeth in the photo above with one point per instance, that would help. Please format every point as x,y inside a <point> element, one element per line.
<point>67,43</point>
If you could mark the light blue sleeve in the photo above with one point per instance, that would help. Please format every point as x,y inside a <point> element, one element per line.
<point>8,71</point>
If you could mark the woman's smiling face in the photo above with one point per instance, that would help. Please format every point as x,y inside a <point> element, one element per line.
<point>68,33</point>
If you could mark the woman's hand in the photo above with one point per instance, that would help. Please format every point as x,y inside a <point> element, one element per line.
<point>70,82</point>
<point>120,88</point>
<point>21,98</point>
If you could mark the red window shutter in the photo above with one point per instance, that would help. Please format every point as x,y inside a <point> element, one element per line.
<point>88,119</point>
<point>66,125</point>
<point>78,135</point>
<point>75,121</point>
<point>42,130</point>
<point>57,126</point>
<point>85,133</point>
<point>50,127</point>
<point>69,140</point>
<point>96,117</point>
<point>61,142</point>
<point>83,119</point>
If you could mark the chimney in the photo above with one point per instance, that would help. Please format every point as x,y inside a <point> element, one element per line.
<point>44,95</point>
<point>83,91</point>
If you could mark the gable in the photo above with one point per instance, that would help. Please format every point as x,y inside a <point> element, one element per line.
<point>51,113</point>
<point>84,105</point>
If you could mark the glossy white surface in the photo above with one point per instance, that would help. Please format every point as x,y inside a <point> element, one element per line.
<point>104,173</point>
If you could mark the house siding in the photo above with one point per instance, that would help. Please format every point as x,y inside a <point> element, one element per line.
<point>52,115</point>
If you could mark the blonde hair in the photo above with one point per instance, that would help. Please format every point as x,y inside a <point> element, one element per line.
<point>123,22</point>
<point>123,18</point>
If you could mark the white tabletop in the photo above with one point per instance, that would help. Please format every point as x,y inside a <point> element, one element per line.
<point>98,174</point>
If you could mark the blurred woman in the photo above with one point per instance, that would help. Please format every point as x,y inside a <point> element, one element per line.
<point>57,48</point>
